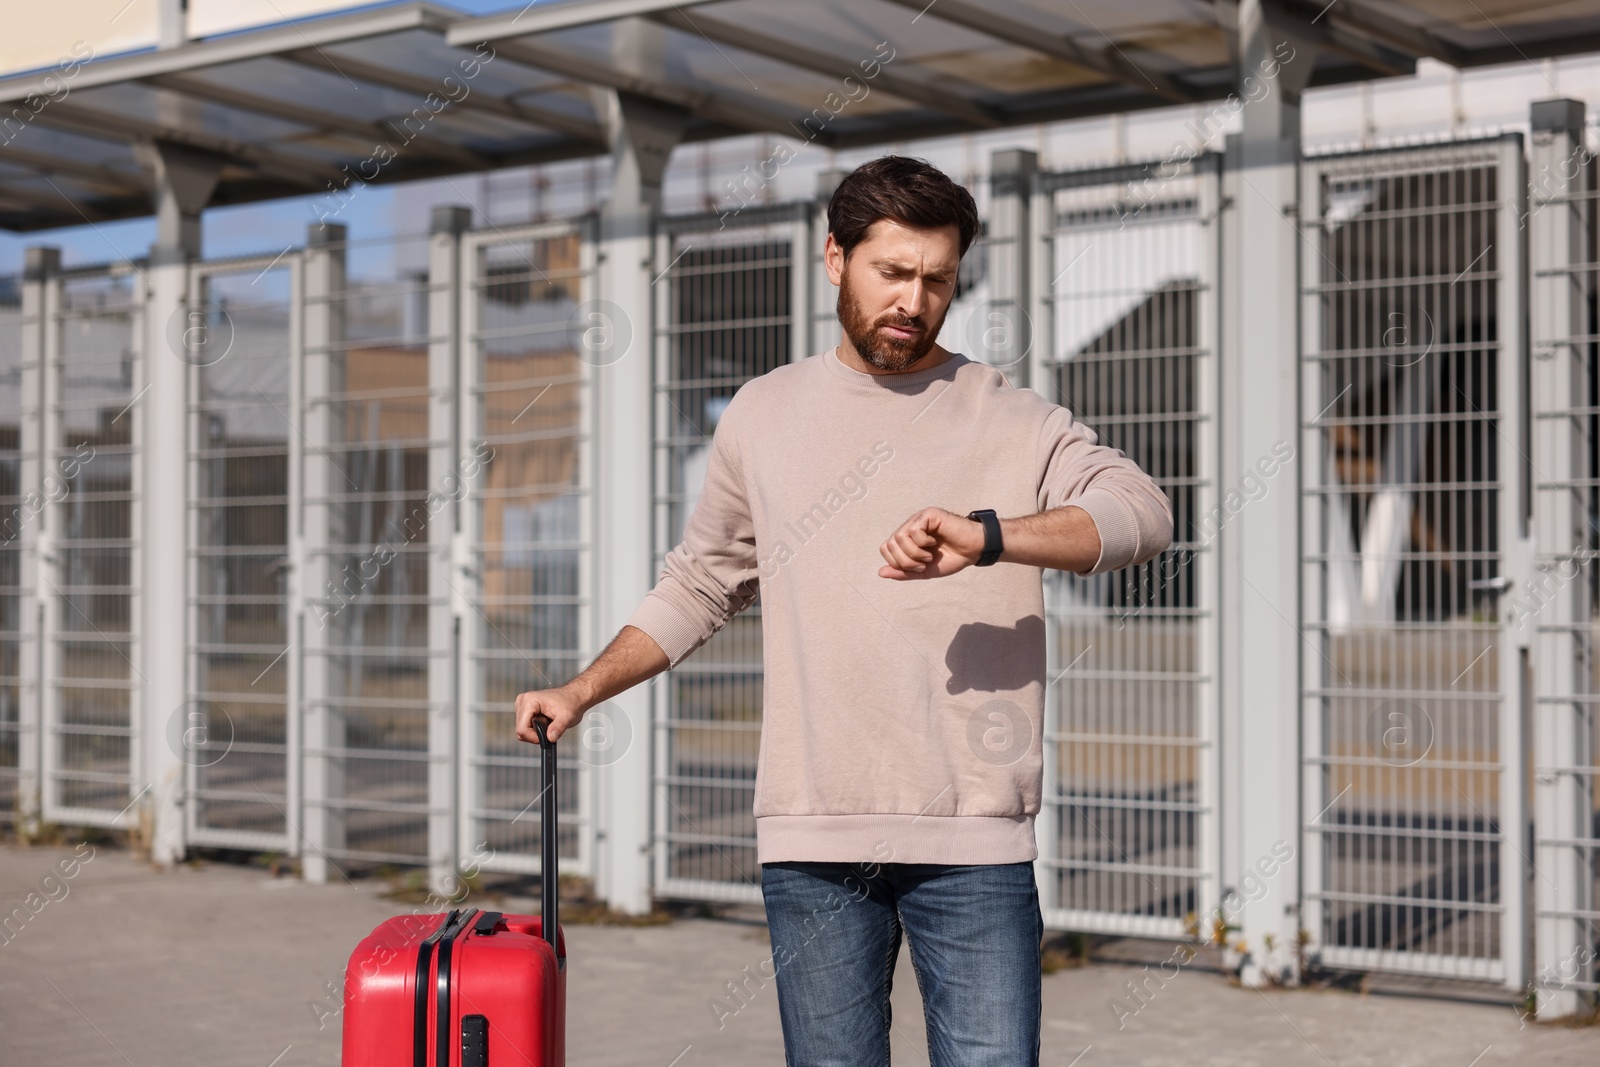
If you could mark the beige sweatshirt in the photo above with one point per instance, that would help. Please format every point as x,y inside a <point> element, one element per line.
<point>902,720</point>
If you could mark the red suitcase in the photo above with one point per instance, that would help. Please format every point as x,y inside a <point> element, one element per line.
<point>468,989</point>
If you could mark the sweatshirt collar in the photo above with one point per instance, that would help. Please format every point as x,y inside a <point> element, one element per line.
<point>907,379</point>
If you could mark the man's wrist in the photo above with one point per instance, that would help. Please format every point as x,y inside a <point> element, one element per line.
<point>581,693</point>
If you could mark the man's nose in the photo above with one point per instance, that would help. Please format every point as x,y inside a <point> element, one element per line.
<point>913,301</point>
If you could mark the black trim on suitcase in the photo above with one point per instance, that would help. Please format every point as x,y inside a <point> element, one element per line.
<point>447,944</point>
<point>486,923</point>
<point>419,1020</point>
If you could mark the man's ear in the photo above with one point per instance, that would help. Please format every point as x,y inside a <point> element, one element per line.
<point>829,249</point>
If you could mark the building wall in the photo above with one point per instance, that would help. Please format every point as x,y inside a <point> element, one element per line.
<point>39,35</point>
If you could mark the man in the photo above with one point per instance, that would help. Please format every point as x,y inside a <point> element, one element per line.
<point>904,641</point>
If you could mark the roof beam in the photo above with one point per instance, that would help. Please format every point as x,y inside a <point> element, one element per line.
<point>831,65</point>
<point>1110,65</point>
<point>547,18</point>
<point>269,163</point>
<point>739,112</point>
<point>207,92</point>
<point>56,201</point>
<point>420,86</point>
<point>1393,33</point>
<point>108,179</point>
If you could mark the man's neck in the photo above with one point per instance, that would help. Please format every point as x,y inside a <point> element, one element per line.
<point>848,356</point>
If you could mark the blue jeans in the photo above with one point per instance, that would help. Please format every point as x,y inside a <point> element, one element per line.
<point>974,931</point>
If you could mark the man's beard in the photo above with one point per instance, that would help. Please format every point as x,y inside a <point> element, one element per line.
<point>879,349</point>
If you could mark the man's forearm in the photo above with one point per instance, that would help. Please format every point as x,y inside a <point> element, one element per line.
<point>1063,538</point>
<point>632,657</point>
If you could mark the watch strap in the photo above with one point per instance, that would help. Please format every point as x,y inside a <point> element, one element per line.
<point>992,545</point>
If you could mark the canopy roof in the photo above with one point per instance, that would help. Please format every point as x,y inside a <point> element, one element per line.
<point>414,90</point>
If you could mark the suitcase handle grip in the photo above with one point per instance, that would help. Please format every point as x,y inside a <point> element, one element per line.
<point>549,863</point>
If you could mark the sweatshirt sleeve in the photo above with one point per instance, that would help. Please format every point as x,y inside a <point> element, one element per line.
<point>1130,512</point>
<point>711,575</point>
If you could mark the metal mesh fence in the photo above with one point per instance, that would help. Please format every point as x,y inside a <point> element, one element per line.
<point>235,722</point>
<point>724,316</point>
<point>1130,720</point>
<point>17,509</point>
<point>1412,436</point>
<point>371,614</point>
<point>90,674</point>
<point>528,425</point>
<point>1413,449</point>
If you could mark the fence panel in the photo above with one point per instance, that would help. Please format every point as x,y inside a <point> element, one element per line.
<point>528,416</point>
<point>725,313</point>
<point>1413,512</point>
<point>367,643</point>
<point>17,511</point>
<point>1127,833</point>
<point>91,699</point>
<point>236,719</point>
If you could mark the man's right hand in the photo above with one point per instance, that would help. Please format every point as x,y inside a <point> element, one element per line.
<point>561,706</point>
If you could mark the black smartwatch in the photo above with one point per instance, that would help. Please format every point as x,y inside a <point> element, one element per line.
<point>992,547</point>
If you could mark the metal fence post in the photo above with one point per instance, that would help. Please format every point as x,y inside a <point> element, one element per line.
<point>160,423</point>
<point>322,778</point>
<point>642,137</point>
<point>1003,333</point>
<point>49,600</point>
<point>40,266</point>
<point>445,460</point>
<point>1516,476</point>
<point>1560,224</point>
<point>825,330</point>
<point>296,585</point>
<point>1258,548</point>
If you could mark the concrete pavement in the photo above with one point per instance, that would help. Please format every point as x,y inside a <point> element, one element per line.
<point>225,966</point>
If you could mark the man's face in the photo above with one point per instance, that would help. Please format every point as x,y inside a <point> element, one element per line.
<point>894,290</point>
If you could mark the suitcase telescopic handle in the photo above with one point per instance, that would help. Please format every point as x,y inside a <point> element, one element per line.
<point>549,863</point>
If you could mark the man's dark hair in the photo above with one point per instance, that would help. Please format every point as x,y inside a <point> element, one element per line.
<point>908,190</point>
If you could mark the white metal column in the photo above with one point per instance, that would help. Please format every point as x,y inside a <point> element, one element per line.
<point>39,291</point>
<point>1257,545</point>
<point>822,308</point>
<point>1003,334</point>
<point>445,458</point>
<point>322,733</point>
<point>1516,866</point>
<point>643,135</point>
<point>162,585</point>
<point>1561,234</point>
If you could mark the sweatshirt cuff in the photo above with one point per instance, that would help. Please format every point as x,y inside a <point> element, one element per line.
<point>667,627</point>
<point>1114,521</point>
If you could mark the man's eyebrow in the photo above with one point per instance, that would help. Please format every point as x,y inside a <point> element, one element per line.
<point>895,264</point>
